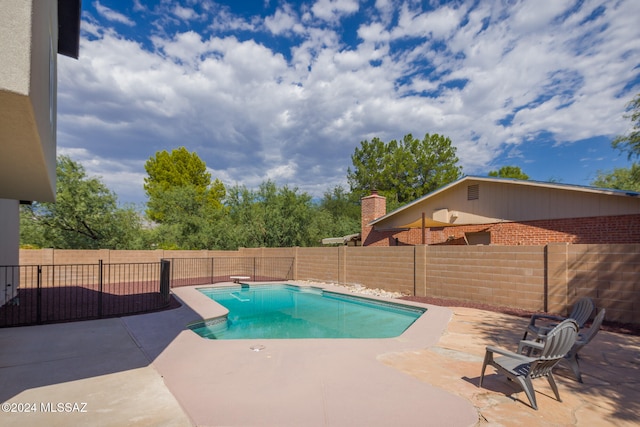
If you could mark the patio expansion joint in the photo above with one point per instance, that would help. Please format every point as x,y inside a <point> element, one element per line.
<point>136,342</point>
<point>40,362</point>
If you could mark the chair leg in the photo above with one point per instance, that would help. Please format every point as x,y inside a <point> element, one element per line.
<point>527,386</point>
<point>575,367</point>
<point>554,386</point>
<point>484,366</point>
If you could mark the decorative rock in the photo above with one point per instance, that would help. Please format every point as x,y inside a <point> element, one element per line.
<point>359,289</point>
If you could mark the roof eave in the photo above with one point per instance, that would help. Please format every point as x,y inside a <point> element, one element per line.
<point>416,201</point>
<point>69,27</point>
<point>565,187</point>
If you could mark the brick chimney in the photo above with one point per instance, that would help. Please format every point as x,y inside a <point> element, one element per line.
<point>372,207</point>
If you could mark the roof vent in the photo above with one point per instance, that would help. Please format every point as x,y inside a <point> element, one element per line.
<point>473,192</point>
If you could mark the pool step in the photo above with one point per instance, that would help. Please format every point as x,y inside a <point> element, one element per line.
<point>234,294</point>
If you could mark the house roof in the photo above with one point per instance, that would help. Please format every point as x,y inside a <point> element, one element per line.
<point>341,240</point>
<point>449,205</point>
<point>69,27</point>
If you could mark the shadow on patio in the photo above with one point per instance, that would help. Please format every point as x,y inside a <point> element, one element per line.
<point>610,366</point>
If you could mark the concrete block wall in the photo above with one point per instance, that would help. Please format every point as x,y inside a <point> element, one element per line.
<point>557,284</point>
<point>267,252</point>
<point>63,256</point>
<point>537,278</point>
<point>389,268</point>
<point>610,275</point>
<point>547,278</point>
<point>320,264</point>
<point>495,275</point>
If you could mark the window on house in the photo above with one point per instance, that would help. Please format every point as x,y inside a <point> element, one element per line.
<point>481,238</point>
<point>473,192</point>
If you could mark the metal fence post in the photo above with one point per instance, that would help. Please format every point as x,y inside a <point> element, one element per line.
<point>39,296</point>
<point>99,288</point>
<point>172,261</point>
<point>165,274</point>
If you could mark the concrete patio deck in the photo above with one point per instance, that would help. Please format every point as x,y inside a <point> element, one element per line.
<point>150,370</point>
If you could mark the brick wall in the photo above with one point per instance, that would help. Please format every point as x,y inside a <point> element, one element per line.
<point>621,229</point>
<point>373,207</point>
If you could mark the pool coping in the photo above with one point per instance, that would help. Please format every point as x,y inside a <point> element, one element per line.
<point>218,313</point>
<point>298,381</point>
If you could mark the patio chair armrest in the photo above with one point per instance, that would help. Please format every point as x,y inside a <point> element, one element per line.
<point>548,317</point>
<point>503,352</point>
<point>530,344</point>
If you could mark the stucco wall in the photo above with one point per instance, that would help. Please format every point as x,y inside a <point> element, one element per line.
<point>28,76</point>
<point>9,244</point>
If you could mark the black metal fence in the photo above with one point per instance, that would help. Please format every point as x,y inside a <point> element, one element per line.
<point>37,294</point>
<point>202,271</point>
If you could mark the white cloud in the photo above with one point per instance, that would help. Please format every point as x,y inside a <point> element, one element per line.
<point>537,75</point>
<point>284,20</point>
<point>124,177</point>
<point>439,23</point>
<point>386,9</point>
<point>223,20</point>
<point>185,13</point>
<point>112,15</point>
<point>488,75</point>
<point>374,33</point>
<point>333,10</point>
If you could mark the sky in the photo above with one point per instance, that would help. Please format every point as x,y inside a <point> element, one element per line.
<point>286,90</point>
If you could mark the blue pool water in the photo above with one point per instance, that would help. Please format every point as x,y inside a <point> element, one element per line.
<point>286,311</point>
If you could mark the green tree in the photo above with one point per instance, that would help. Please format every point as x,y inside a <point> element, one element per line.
<point>619,178</point>
<point>509,172</point>
<point>340,203</point>
<point>630,142</point>
<point>405,170</point>
<point>433,163</point>
<point>625,178</point>
<point>189,220</point>
<point>337,214</point>
<point>180,168</point>
<point>267,217</point>
<point>286,214</point>
<point>368,166</point>
<point>244,219</point>
<point>85,215</point>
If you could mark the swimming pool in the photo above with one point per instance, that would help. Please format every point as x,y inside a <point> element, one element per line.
<point>288,311</point>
